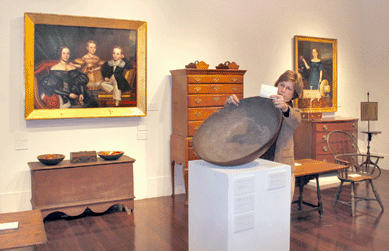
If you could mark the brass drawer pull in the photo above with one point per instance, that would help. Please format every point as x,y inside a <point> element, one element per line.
<point>325,127</point>
<point>198,114</point>
<point>234,89</point>
<point>198,79</point>
<point>325,160</point>
<point>234,79</point>
<point>354,125</point>
<point>216,98</point>
<point>197,88</point>
<point>325,149</point>
<point>353,135</point>
<point>196,128</point>
<point>198,100</point>
<point>216,88</point>
<point>325,137</point>
<point>216,79</point>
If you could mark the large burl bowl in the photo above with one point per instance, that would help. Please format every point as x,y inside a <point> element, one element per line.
<point>237,135</point>
<point>50,159</point>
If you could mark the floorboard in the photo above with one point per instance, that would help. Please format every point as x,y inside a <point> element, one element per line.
<point>162,224</point>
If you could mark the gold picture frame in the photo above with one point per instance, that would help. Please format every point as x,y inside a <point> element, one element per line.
<point>44,33</point>
<point>316,60</point>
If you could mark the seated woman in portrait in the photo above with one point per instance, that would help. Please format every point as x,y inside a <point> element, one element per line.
<point>65,86</point>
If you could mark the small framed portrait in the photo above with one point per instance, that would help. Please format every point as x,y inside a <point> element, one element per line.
<point>84,67</point>
<point>316,60</point>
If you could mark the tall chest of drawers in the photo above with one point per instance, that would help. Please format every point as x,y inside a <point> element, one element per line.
<point>310,138</point>
<point>196,95</point>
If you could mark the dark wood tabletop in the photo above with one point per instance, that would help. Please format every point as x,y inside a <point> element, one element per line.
<point>311,166</point>
<point>30,231</point>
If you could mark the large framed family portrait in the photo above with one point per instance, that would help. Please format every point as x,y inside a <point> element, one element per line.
<point>84,67</point>
<point>316,60</point>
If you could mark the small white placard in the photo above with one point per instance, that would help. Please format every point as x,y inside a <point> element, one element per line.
<point>9,225</point>
<point>244,222</point>
<point>244,185</point>
<point>244,204</point>
<point>267,90</point>
<point>354,175</point>
<point>276,179</point>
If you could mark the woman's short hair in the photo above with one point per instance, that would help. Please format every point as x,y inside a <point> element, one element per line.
<point>295,78</point>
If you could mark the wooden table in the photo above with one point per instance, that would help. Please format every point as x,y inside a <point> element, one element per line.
<point>30,231</point>
<point>311,169</point>
<point>71,188</point>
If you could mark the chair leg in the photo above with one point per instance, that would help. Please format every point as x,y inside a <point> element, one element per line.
<point>338,192</point>
<point>352,198</point>
<point>376,195</point>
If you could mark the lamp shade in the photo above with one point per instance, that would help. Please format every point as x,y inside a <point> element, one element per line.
<point>369,111</point>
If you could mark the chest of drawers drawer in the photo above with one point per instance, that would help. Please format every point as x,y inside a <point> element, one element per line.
<point>209,99</point>
<point>201,113</point>
<point>322,136</point>
<point>227,77</point>
<point>215,88</point>
<point>328,126</point>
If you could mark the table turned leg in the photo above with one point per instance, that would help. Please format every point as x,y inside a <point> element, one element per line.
<point>319,203</point>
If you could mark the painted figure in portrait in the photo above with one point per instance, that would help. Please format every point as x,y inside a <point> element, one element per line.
<point>113,73</point>
<point>65,86</point>
<point>316,67</point>
<point>90,64</point>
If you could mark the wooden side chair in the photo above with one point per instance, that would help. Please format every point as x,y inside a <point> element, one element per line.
<point>362,167</point>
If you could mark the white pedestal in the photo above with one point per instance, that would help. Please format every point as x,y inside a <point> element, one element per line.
<point>239,208</point>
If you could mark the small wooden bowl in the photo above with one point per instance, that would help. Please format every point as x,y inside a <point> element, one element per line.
<point>110,155</point>
<point>50,159</point>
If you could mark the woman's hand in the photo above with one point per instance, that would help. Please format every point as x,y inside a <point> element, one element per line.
<point>279,102</point>
<point>73,96</point>
<point>81,99</point>
<point>233,99</point>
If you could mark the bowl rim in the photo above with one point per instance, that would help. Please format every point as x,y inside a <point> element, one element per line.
<point>116,153</point>
<point>60,156</point>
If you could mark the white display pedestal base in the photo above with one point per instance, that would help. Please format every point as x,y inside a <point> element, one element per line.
<point>245,207</point>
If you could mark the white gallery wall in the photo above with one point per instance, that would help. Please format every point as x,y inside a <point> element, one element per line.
<point>257,35</point>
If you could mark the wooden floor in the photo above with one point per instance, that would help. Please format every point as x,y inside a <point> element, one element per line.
<point>162,224</point>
